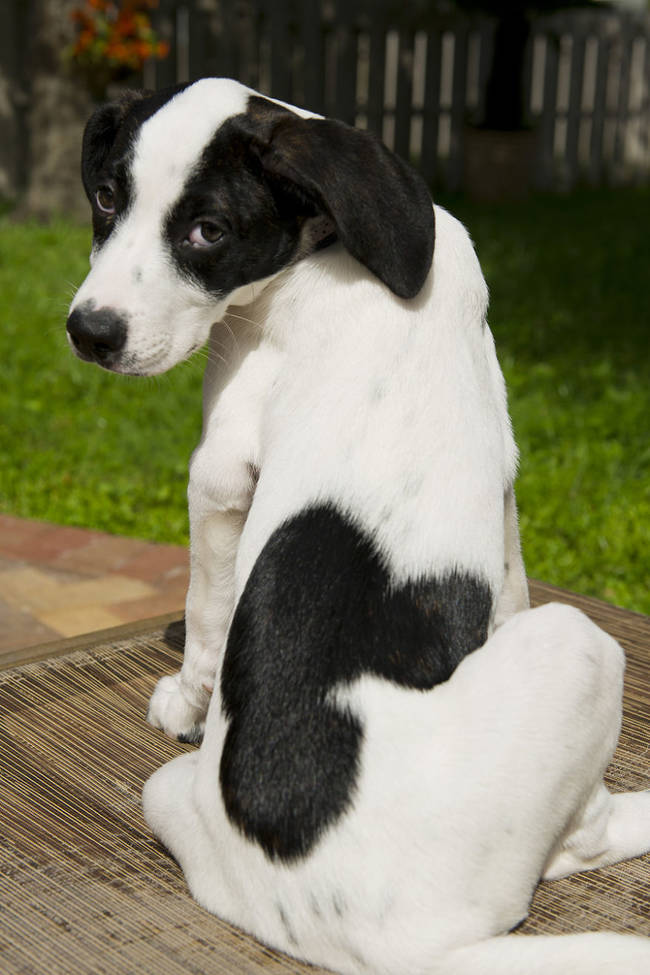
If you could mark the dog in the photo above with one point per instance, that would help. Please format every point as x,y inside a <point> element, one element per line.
<point>395,748</point>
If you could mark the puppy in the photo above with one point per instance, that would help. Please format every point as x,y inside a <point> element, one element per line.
<point>397,748</point>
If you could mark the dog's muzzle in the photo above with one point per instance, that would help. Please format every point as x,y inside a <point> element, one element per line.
<point>98,335</point>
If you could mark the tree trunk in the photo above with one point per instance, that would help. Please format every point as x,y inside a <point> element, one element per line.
<point>13,98</point>
<point>59,107</point>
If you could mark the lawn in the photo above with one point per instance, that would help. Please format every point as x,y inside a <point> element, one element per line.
<point>570,314</point>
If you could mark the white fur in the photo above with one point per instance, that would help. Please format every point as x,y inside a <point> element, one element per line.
<point>332,389</point>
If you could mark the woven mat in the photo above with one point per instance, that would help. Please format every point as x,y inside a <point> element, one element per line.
<point>86,890</point>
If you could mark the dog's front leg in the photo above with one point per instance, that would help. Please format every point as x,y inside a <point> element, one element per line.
<point>180,701</point>
<point>221,488</point>
<point>220,492</point>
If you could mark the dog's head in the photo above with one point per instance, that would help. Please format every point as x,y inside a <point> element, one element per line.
<point>201,191</point>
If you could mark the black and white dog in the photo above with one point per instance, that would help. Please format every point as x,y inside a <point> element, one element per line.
<point>397,748</point>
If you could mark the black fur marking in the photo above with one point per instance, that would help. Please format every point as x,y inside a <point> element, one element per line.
<point>380,206</point>
<point>265,173</point>
<point>108,142</point>
<point>192,737</point>
<point>260,227</point>
<point>319,610</point>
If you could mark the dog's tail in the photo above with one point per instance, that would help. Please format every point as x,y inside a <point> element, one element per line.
<point>571,954</point>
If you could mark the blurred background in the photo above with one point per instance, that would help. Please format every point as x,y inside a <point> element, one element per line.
<point>531,122</point>
<point>485,96</point>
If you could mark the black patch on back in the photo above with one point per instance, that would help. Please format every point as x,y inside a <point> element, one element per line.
<point>318,611</point>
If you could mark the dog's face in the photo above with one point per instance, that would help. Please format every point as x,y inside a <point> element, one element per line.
<point>201,191</point>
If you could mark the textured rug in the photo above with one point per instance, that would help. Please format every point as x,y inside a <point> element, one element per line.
<point>84,888</point>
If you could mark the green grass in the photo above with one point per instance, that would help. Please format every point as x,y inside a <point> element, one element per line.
<point>82,446</point>
<point>571,318</point>
<point>570,314</point>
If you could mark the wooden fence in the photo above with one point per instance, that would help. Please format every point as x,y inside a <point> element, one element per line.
<point>418,78</point>
<point>414,76</point>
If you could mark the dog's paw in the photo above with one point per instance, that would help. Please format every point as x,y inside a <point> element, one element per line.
<point>178,710</point>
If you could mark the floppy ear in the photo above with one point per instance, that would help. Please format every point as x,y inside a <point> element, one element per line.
<point>380,206</point>
<point>101,132</point>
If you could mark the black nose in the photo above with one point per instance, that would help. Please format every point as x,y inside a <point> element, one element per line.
<point>97,334</point>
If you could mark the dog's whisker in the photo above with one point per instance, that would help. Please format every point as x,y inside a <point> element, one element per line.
<point>198,360</point>
<point>215,357</point>
<point>214,354</point>
<point>242,318</point>
<point>210,354</point>
<point>231,333</point>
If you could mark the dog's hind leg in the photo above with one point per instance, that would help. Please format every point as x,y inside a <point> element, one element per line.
<point>514,594</point>
<point>608,829</point>
<point>180,701</point>
<point>592,953</point>
<point>169,808</point>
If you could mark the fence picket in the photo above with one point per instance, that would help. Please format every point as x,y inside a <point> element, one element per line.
<point>431,108</point>
<point>202,44</point>
<point>404,93</point>
<point>644,112</point>
<point>622,112</point>
<point>376,73</point>
<point>549,111</point>
<point>345,46</point>
<point>574,110</point>
<point>457,113</point>
<point>165,20</point>
<point>277,20</point>
<point>312,30</point>
<point>595,165</point>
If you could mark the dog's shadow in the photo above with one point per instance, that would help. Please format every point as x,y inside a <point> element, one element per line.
<point>174,635</point>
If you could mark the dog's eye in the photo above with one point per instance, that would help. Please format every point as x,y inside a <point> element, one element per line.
<point>105,199</point>
<point>204,234</point>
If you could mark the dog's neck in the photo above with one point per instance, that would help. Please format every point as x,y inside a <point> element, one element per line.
<point>317,233</point>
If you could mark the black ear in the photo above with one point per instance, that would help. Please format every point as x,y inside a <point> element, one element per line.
<point>381,207</point>
<point>101,132</point>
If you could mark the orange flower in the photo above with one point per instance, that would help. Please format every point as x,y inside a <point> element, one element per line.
<point>85,40</point>
<point>113,35</point>
<point>125,23</point>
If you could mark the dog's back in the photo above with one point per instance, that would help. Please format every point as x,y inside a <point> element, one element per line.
<point>392,411</point>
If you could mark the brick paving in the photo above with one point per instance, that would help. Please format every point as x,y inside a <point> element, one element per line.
<point>59,581</point>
